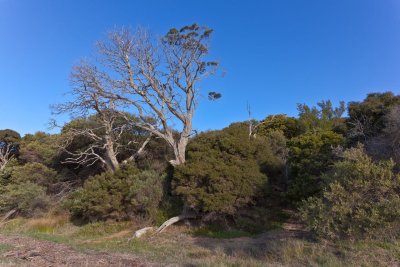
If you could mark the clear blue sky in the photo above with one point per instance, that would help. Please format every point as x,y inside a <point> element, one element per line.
<point>274,53</point>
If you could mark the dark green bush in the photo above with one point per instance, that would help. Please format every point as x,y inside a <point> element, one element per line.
<point>223,172</point>
<point>362,200</point>
<point>310,155</point>
<point>40,147</point>
<point>289,126</point>
<point>5,174</point>
<point>323,117</point>
<point>27,198</point>
<point>126,194</point>
<point>24,188</point>
<point>369,117</point>
<point>35,173</point>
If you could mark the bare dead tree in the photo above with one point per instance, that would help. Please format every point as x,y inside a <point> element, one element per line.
<point>158,79</point>
<point>382,143</point>
<point>251,121</point>
<point>100,127</point>
<point>9,146</point>
<point>253,124</point>
<point>140,151</point>
<point>103,147</point>
<point>7,153</point>
<point>359,128</point>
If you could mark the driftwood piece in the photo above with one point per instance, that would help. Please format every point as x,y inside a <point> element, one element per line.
<point>164,226</point>
<point>173,220</point>
<point>141,232</point>
<point>8,215</point>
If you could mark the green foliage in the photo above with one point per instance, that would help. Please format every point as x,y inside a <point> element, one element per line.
<point>368,118</point>
<point>276,169</point>
<point>127,193</point>
<point>36,173</point>
<point>5,247</point>
<point>310,154</point>
<point>362,199</point>
<point>214,96</point>
<point>77,143</point>
<point>191,38</point>
<point>27,198</point>
<point>127,140</point>
<point>223,170</point>
<point>216,233</point>
<point>5,174</point>
<point>289,126</point>
<point>9,136</point>
<point>40,147</point>
<point>155,156</point>
<point>322,117</point>
<point>9,141</point>
<point>24,187</point>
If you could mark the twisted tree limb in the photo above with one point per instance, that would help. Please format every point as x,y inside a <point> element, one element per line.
<point>7,216</point>
<point>163,226</point>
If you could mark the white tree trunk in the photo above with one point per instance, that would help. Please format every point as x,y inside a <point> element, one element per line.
<point>174,220</point>
<point>110,155</point>
<point>164,226</point>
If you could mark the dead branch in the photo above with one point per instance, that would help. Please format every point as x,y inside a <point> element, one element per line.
<point>155,79</point>
<point>6,154</point>
<point>164,226</point>
<point>7,216</point>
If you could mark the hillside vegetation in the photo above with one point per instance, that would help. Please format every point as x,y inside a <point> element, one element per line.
<point>321,188</point>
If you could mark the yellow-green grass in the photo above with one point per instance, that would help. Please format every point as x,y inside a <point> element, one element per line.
<point>179,246</point>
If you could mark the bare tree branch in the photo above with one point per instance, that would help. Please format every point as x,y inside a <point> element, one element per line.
<point>7,153</point>
<point>157,79</point>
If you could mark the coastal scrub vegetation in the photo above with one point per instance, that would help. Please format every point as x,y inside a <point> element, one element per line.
<point>130,155</point>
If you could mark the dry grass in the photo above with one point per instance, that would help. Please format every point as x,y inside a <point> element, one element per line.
<point>47,224</point>
<point>178,247</point>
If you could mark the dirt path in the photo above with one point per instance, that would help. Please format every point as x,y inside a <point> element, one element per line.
<point>25,251</point>
<point>17,250</point>
<point>290,230</point>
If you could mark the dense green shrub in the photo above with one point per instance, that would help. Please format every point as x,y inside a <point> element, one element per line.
<point>40,147</point>
<point>289,126</point>
<point>310,154</point>
<point>125,194</point>
<point>369,117</point>
<point>223,171</point>
<point>35,173</point>
<point>5,174</point>
<point>362,199</point>
<point>27,198</point>
<point>24,187</point>
<point>323,117</point>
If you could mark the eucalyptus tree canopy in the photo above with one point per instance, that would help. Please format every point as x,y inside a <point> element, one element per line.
<point>151,77</point>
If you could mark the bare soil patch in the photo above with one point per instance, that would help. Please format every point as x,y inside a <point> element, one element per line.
<point>26,251</point>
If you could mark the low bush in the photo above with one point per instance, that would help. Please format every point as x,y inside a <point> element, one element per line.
<point>362,199</point>
<point>40,147</point>
<point>224,170</point>
<point>125,194</point>
<point>35,173</point>
<point>27,198</point>
<point>310,155</point>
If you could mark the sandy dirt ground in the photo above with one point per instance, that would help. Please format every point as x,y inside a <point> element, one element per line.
<point>25,251</point>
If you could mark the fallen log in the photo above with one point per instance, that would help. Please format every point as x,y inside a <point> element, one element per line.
<point>173,220</point>
<point>141,232</point>
<point>8,215</point>
<point>164,226</point>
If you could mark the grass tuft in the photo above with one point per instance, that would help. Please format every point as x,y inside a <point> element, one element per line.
<point>208,232</point>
